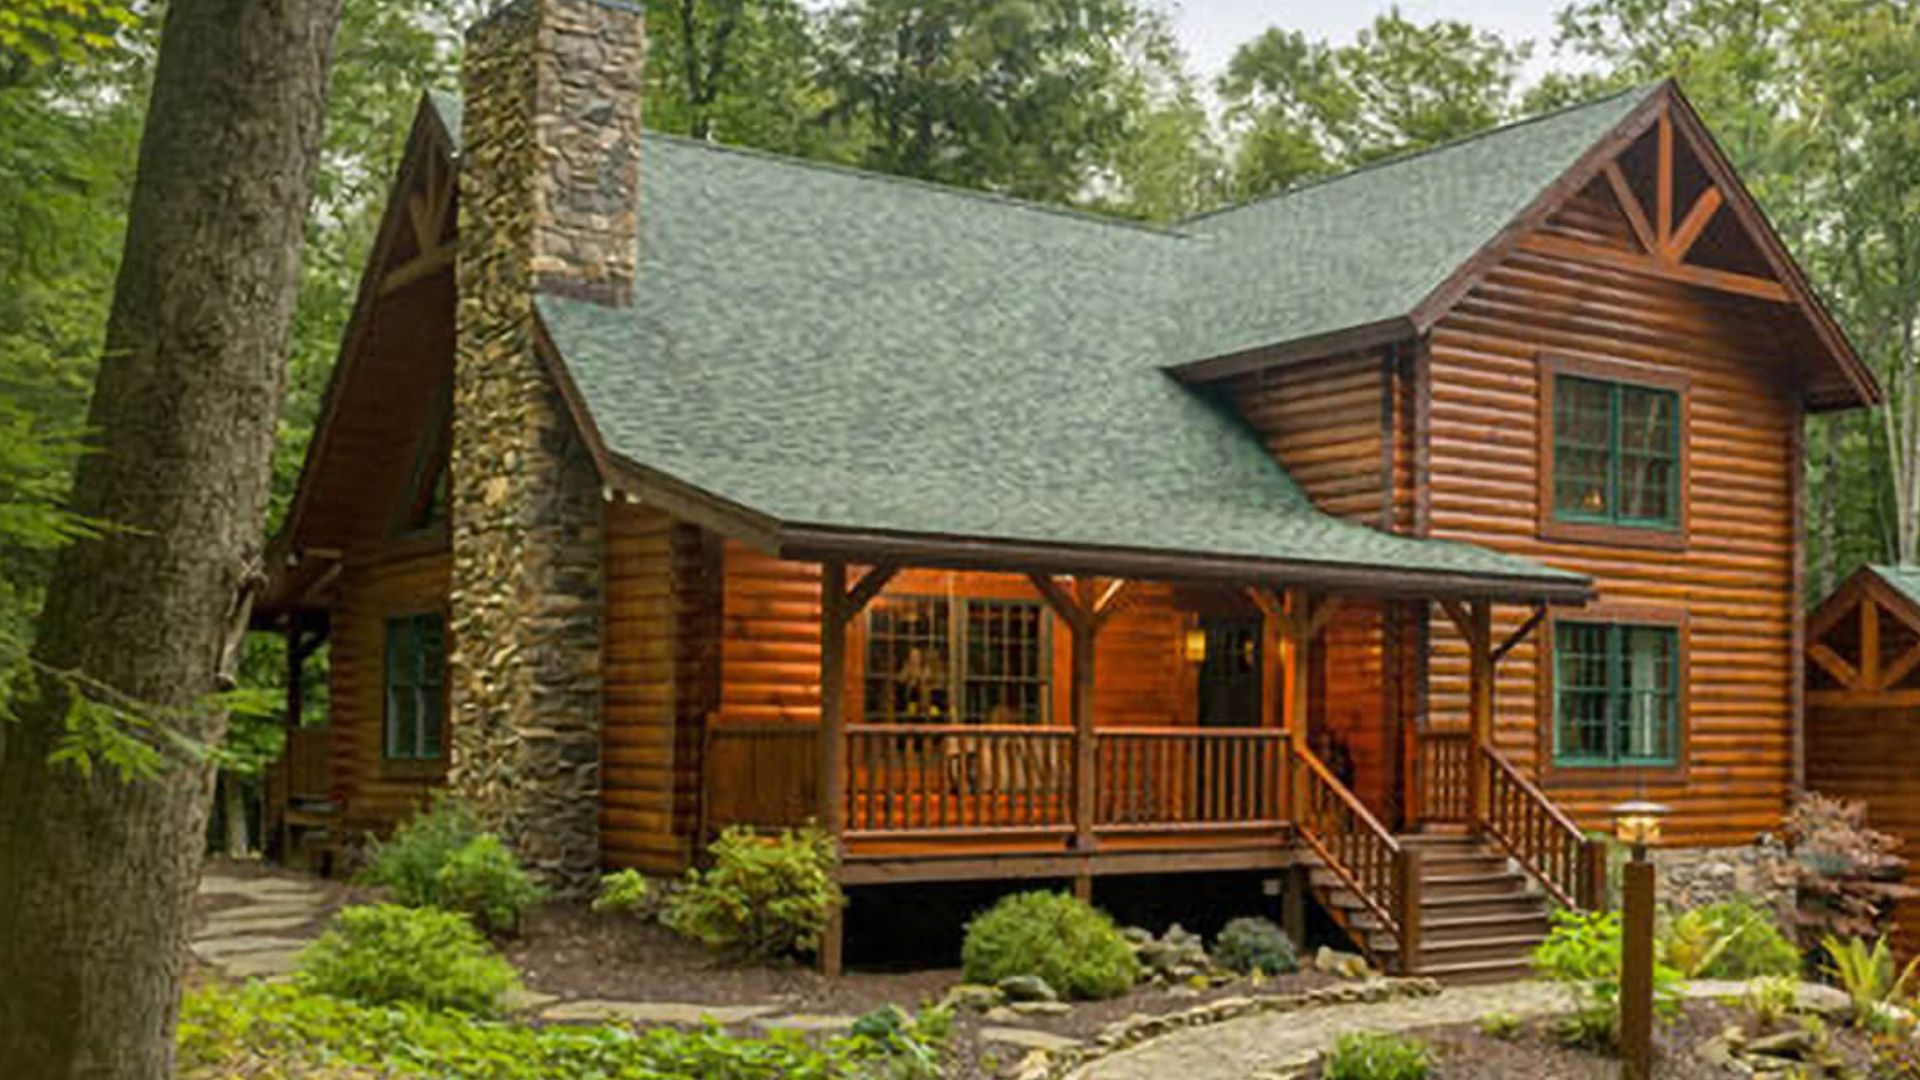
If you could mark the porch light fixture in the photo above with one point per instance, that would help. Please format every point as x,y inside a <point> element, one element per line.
<point>1193,645</point>
<point>1637,823</point>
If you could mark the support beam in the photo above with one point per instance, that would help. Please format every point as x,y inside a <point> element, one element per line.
<point>1082,611</point>
<point>1480,701</point>
<point>1869,644</point>
<point>833,746</point>
<point>1693,225</point>
<point>1630,205</point>
<point>1663,183</point>
<point>1520,634</point>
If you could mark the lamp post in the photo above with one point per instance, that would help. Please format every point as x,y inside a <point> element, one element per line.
<point>1637,824</point>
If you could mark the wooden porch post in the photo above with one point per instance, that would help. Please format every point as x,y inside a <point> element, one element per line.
<point>833,747</point>
<point>1083,749</point>
<point>838,605</point>
<point>1480,701</point>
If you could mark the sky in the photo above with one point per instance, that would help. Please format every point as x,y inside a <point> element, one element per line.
<point>1211,29</point>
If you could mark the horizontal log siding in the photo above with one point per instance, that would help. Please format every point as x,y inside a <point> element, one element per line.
<point>1867,753</point>
<point>658,622</point>
<point>1735,577</point>
<point>1337,427</point>
<point>375,795</point>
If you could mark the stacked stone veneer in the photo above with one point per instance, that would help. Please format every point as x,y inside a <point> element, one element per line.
<point>548,182</point>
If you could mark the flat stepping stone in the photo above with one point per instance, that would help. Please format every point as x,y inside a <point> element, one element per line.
<point>308,908</point>
<point>220,927</point>
<point>1028,1039</point>
<point>806,1022</point>
<point>522,1000</point>
<point>594,1010</point>
<point>273,966</point>
<point>218,884</point>
<point>215,948</point>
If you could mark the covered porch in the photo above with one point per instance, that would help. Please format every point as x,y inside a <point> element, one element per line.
<point>925,788</point>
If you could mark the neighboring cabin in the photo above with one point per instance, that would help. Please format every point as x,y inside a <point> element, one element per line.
<point>1363,536</point>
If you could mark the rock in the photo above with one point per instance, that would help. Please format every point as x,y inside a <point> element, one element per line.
<point>596,1010</point>
<point>272,965</point>
<point>1182,992</point>
<point>1136,935</point>
<point>973,997</point>
<point>214,949</point>
<point>522,1000</point>
<point>1794,1043</point>
<point>1040,1008</point>
<point>1000,1014</point>
<point>1028,1038</point>
<point>805,1022</point>
<point>1027,988</point>
<point>1344,964</point>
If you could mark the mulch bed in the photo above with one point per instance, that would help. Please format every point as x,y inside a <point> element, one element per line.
<point>566,950</point>
<point>1463,1052</point>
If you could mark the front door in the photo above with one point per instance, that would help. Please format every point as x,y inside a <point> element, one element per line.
<point>1229,681</point>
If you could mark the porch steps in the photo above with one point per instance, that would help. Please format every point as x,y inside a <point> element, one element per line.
<point>1480,916</point>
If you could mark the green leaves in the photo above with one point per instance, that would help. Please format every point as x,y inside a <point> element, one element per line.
<point>38,33</point>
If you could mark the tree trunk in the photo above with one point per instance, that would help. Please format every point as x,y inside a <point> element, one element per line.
<point>95,872</point>
<point>1826,511</point>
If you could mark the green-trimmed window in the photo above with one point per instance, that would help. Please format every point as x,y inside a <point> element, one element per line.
<point>1616,694</point>
<point>934,659</point>
<point>416,681</point>
<point>1616,453</point>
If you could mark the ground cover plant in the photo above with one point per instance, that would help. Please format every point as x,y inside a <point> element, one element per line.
<point>278,1031</point>
<point>761,897</point>
<point>1067,942</point>
<point>1867,973</point>
<point>623,893</point>
<point>1372,1055</point>
<point>1733,939</point>
<point>1583,955</point>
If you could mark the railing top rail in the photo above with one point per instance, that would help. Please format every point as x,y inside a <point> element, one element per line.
<point>1351,801</point>
<point>1058,731</point>
<point>735,726</point>
<point>1175,732</point>
<point>1519,780</point>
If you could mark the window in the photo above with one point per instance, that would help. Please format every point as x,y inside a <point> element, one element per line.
<point>1616,694</point>
<point>415,680</point>
<point>997,675</point>
<point>1616,453</point>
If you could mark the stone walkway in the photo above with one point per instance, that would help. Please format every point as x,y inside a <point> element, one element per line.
<point>261,936</point>
<point>1278,1044</point>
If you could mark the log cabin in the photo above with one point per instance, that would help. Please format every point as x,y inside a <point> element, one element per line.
<point>1862,675</point>
<point>1378,535</point>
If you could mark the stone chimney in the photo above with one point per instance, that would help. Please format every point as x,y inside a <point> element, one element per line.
<point>549,178</point>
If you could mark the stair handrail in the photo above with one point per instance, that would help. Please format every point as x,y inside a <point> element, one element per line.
<point>1388,908</point>
<point>1568,875</point>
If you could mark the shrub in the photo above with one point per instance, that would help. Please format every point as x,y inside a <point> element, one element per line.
<point>441,858</point>
<point>1845,873</point>
<point>1771,998</point>
<point>482,879</point>
<point>408,865</point>
<point>384,953</point>
<point>1583,955</point>
<point>1254,944</point>
<point>1867,975</point>
<point>1372,1055</point>
<point>1067,942</point>
<point>762,897</point>
<point>1734,939</point>
<point>622,893</point>
<point>1501,1025</point>
<point>280,1031</point>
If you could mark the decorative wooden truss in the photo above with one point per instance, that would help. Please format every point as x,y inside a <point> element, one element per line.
<point>1863,646</point>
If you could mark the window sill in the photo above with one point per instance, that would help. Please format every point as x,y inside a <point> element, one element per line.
<point>1593,532</point>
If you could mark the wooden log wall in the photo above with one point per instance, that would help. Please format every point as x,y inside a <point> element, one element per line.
<point>375,794</point>
<point>1734,580</point>
<point>1342,429</point>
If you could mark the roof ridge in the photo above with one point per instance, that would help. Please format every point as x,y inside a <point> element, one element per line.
<point>1405,156</point>
<point>855,172</point>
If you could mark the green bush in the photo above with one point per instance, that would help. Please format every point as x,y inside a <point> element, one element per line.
<point>482,879</point>
<point>1372,1055</point>
<point>380,954</point>
<point>622,893</point>
<point>762,897</point>
<point>1868,975</point>
<point>280,1031</point>
<point>1734,939</point>
<point>1075,948</point>
<point>441,858</point>
<point>1253,944</point>
<point>1583,955</point>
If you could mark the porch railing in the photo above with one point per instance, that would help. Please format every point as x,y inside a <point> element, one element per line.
<point>1540,837</point>
<point>1175,777</point>
<point>1443,778</point>
<point>1352,844</point>
<point>920,778</point>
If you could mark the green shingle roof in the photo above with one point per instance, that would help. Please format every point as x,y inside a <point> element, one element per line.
<point>847,350</point>
<point>1905,580</point>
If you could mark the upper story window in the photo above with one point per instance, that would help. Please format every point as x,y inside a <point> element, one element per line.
<point>416,687</point>
<point>1616,694</point>
<point>998,674</point>
<point>1616,453</point>
<point>1613,466</point>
